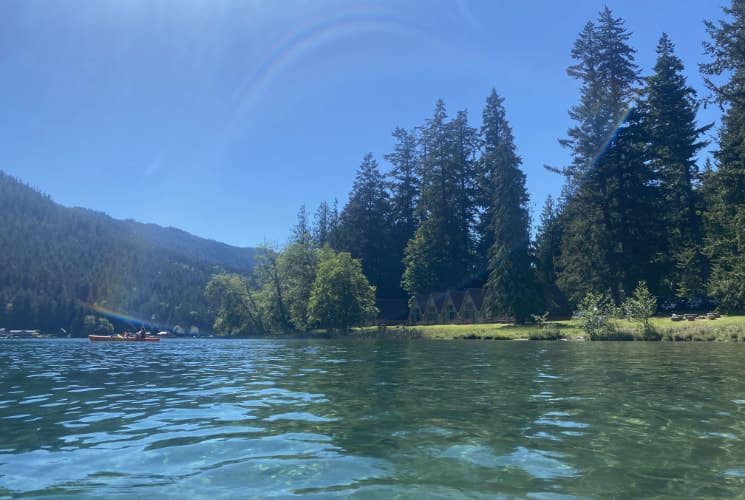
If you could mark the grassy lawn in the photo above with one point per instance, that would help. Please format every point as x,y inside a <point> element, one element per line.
<point>724,328</point>
<point>500,331</point>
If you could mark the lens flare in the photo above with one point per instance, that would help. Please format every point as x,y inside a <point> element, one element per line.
<point>294,48</point>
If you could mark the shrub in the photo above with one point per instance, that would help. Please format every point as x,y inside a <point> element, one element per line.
<point>640,307</point>
<point>540,320</point>
<point>596,316</point>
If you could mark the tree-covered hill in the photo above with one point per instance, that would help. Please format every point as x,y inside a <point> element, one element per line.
<point>59,264</point>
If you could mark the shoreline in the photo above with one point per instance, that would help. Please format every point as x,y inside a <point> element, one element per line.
<point>723,329</point>
<point>726,328</point>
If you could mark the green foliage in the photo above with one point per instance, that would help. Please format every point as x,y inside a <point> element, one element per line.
<point>365,229</point>
<point>404,185</point>
<point>293,290</point>
<point>230,298</point>
<point>604,64</point>
<point>56,261</point>
<point>610,239</point>
<point>725,186</point>
<point>96,325</point>
<point>727,284</point>
<point>596,315</point>
<point>297,271</point>
<point>420,261</point>
<point>325,224</point>
<point>640,307</point>
<point>669,108</point>
<point>511,287</point>
<point>540,320</point>
<point>440,254</point>
<point>547,251</point>
<point>341,296</point>
<point>270,292</point>
<point>451,213</point>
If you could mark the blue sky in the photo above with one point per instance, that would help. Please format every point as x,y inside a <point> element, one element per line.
<point>222,118</point>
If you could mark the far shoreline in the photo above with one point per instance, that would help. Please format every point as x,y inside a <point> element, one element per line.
<point>725,328</point>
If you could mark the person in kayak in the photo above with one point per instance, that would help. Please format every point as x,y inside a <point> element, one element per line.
<point>140,334</point>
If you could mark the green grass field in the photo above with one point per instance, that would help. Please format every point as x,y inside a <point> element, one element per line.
<point>724,328</point>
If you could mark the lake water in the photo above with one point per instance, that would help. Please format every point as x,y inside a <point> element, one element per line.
<point>371,419</point>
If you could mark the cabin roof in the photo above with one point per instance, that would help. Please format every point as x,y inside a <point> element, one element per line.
<point>477,296</point>
<point>439,299</point>
<point>457,297</point>
<point>419,300</point>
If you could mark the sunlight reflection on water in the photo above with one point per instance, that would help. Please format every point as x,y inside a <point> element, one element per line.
<point>370,418</point>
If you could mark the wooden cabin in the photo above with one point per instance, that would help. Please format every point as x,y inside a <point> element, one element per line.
<point>453,306</point>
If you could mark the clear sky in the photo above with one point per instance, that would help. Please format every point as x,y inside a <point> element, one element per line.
<point>223,117</point>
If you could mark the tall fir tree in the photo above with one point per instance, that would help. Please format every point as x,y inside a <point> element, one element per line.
<point>547,250</point>
<point>465,143</point>
<point>609,240</point>
<point>302,231</point>
<point>325,222</point>
<point>404,182</point>
<point>669,113</point>
<point>365,228</point>
<point>439,255</point>
<point>296,271</point>
<point>510,286</point>
<point>606,67</point>
<point>725,215</point>
<point>608,180</point>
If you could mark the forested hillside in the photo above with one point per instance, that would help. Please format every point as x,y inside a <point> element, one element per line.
<point>59,264</point>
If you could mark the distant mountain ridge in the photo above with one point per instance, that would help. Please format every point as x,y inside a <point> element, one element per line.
<point>194,247</point>
<point>182,243</point>
<point>58,264</point>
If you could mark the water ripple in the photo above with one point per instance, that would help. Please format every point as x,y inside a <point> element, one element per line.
<point>370,419</point>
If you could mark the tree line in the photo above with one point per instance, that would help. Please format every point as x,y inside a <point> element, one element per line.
<point>71,268</point>
<point>306,285</point>
<point>635,207</point>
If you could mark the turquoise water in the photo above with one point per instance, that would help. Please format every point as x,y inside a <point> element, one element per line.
<point>371,419</point>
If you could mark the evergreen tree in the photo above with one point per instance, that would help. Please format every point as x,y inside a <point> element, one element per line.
<point>301,231</point>
<point>608,185</point>
<point>464,192</point>
<point>609,240</point>
<point>296,269</point>
<point>547,251</point>
<point>586,138</point>
<point>605,66</point>
<point>669,108</point>
<point>725,215</point>
<point>404,183</point>
<point>510,286</point>
<point>616,67</point>
<point>365,228</point>
<point>498,152</point>
<point>325,222</point>
<point>404,186</point>
<point>439,255</point>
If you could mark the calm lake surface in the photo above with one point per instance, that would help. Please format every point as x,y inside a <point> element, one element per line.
<point>371,419</point>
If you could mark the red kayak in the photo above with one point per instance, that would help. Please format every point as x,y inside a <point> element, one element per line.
<point>121,338</point>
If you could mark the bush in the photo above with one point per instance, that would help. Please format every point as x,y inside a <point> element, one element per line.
<point>596,316</point>
<point>540,320</point>
<point>640,307</point>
